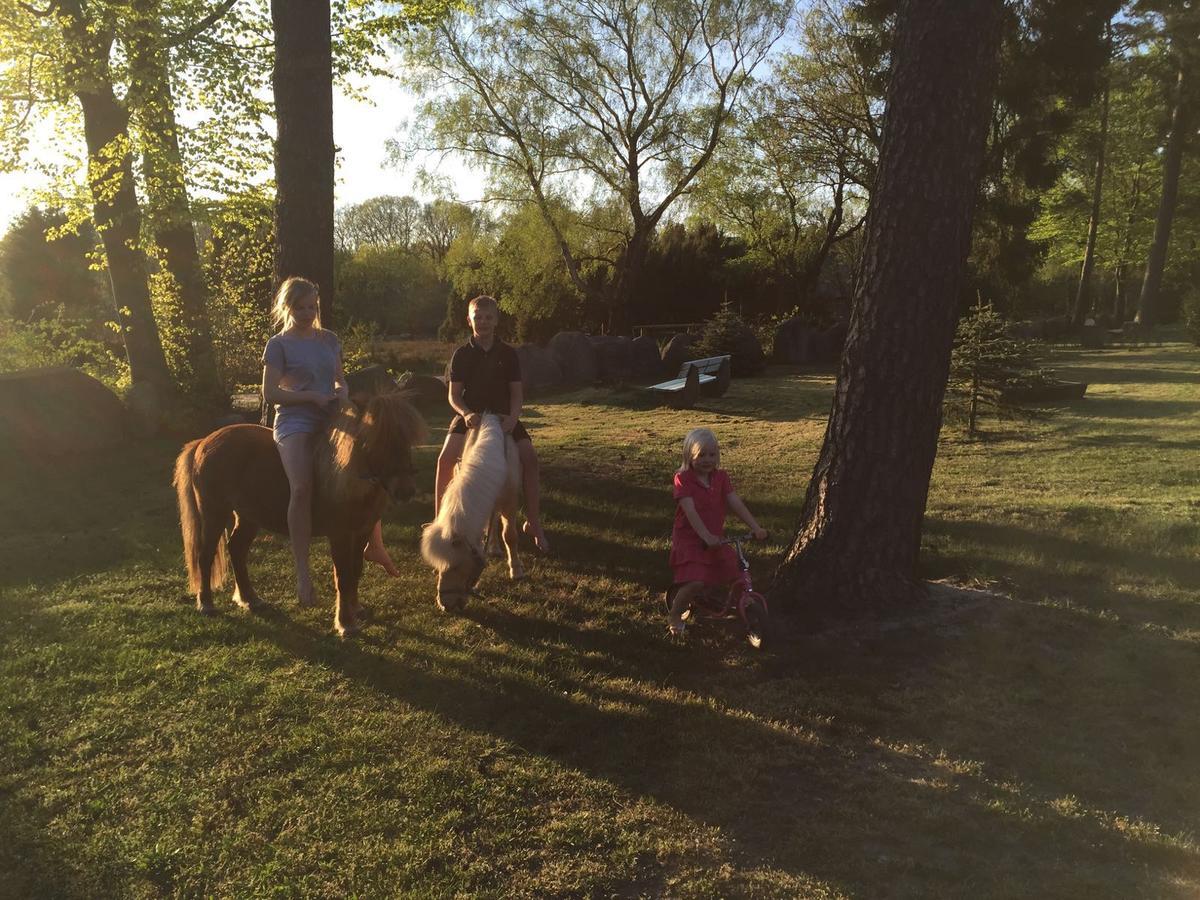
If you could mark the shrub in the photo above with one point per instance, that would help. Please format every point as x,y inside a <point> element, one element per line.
<point>727,333</point>
<point>986,362</point>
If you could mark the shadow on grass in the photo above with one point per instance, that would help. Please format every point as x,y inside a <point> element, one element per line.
<point>982,810</point>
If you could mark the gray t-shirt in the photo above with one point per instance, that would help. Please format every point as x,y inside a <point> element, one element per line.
<point>306,364</point>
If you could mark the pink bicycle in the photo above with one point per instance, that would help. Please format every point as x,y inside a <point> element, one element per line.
<point>740,601</point>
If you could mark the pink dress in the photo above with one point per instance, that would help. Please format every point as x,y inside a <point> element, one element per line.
<point>690,559</point>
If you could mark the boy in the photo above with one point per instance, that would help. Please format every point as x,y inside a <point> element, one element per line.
<point>485,376</point>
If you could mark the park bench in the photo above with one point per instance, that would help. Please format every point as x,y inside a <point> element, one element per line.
<point>709,377</point>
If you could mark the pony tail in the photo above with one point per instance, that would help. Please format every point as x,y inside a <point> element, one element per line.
<point>190,522</point>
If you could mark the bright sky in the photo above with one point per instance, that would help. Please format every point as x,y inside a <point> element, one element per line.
<point>361,131</point>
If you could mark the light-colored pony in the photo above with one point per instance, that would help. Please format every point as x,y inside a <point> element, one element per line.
<point>484,491</point>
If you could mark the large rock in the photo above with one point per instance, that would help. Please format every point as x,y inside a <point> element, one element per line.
<point>747,354</point>
<point>46,412</point>
<point>646,358</point>
<point>429,395</point>
<point>575,355</point>
<point>797,342</point>
<point>614,358</point>
<point>676,353</point>
<point>540,371</point>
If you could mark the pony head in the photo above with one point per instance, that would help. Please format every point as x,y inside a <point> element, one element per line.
<point>376,444</point>
<point>458,560</point>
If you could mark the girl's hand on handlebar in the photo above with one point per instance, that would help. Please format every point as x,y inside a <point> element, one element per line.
<point>711,541</point>
<point>760,534</point>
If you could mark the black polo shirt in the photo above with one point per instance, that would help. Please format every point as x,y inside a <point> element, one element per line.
<point>485,375</point>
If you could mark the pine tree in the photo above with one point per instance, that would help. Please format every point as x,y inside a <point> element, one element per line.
<point>987,363</point>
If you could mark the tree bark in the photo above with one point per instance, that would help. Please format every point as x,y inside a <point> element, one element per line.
<point>1084,301</point>
<point>860,529</point>
<point>1119,288</point>
<point>115,206</point>
<point>304,149</point>
<point>168,207</point>
<point>1156,261</point>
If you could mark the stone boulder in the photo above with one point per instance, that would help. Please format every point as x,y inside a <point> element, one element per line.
<point>646,358</point>
<point>540,370</point>
<point>429,396</point>
<point>797,342</point>
<point>833,339</point>
<point>575,355</point>
<point>746,352</point>
<point>56,411</point>
<point>676,353</point>
<point>614,358</point>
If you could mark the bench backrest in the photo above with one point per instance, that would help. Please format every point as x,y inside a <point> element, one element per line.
<point>709,366</point>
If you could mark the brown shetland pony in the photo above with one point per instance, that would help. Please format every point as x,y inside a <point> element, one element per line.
<point>233,480</point>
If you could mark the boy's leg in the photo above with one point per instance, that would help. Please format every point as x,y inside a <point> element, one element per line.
<point>531,482</point>
<point>451,452</point>
<point>684,597</point>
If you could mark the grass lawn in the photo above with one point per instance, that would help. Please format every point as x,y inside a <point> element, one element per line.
<point>1038,739</point>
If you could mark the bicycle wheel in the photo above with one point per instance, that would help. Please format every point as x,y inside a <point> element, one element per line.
<point>754,614</point>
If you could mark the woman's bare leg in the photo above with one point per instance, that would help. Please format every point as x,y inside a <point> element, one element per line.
<point>376,552</point>
<point>296,452</point>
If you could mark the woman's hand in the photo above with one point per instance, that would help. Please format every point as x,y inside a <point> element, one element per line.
<point>508,423</point>
<point>472,420</point>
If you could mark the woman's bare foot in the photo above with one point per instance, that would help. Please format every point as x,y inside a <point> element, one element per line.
<point>535,534</point>
<point>306,594</point>
<point>380,555</point>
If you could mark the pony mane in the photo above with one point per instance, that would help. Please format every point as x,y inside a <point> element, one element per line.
<point>482,474</point>
<point>389,421</point>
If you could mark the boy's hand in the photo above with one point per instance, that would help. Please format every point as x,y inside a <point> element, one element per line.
<point>760,534</point>
<point>472,419</point>
<point>508,423</point>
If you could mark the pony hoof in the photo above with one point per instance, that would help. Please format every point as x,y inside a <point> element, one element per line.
<point>250,602</point>
<point>517,574</point>
<point>308,600</point>
<point>347,629</point>
<point>206,609</point>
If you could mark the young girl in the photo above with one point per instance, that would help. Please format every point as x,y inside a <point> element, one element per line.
<point>302,376</point>
<point>702,493</point>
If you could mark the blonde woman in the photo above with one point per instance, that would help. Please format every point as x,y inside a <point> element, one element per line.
<point>303,378</point>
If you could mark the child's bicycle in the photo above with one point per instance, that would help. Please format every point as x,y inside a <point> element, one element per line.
<point>739,601</point>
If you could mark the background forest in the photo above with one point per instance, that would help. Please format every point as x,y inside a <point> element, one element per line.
<point>729,164</point>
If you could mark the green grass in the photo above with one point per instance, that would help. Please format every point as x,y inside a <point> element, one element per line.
<point>1035,740</point>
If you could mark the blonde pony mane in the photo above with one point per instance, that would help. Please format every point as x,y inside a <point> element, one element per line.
<point>389,418</point>
<point>467,505</point>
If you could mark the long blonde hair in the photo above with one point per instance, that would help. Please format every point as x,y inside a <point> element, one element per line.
<point>696,440</point>
<point>292,291</point>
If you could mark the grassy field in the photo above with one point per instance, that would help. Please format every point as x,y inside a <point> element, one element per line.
<point>1035,737</point>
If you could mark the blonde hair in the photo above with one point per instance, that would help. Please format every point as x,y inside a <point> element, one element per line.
<point>291,292</point>
<point>696,440</point>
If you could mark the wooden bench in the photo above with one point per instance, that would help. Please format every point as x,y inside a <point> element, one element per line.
<point>708,377</point>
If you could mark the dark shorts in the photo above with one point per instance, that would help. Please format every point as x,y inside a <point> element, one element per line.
<point>458,425</point>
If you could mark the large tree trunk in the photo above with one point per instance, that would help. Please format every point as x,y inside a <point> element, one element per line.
<point>304,151</point>
<point>115,205</point>
<point>860,530</point>
<point>168,207</point>
<point>1084,301</point>
<point>1147,313</point>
